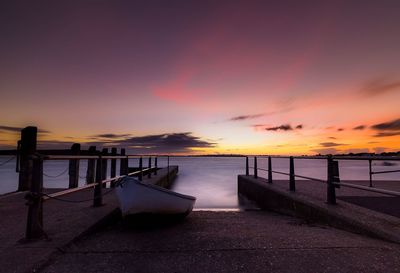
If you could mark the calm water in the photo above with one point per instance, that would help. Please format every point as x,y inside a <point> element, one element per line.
<point>213,180</point>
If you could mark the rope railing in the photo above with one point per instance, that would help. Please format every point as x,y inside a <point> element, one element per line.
<point>7,160</point>
<point>333,178</point>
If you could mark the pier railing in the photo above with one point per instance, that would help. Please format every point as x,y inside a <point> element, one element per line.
<point>333,178</point>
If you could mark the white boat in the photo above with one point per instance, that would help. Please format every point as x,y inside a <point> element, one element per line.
<point>136,197</point>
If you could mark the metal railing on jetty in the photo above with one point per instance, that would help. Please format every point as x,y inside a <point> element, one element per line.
<point>30,168</point>
<point>333,177</point>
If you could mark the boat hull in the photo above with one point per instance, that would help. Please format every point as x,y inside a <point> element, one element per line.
<point>136,197</point>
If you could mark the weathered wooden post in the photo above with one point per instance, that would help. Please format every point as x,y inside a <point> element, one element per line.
<point>331,194</point>
<point>255,168</point>
<point>34,225</point>
<point>104,152</point>
<point>123,170</point>
<point>292,181</point>
<point>113,171</point>
<point>247,166</point>
<point>74,166</point>
<point>140,169</point>
<point>28,148</point>
<point>269,169</point>
<point>149,171</point>
<point>98,195</point>
<point>155,166</point>
<point>91,166</point>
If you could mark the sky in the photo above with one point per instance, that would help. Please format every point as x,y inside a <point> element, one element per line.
<point>202,77</point>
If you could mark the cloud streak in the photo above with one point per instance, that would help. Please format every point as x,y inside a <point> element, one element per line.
<point>379,87</point>
<point>245,117</point>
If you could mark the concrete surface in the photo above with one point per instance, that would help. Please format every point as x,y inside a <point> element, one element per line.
<point>251,241</point>
<point>63,222</point>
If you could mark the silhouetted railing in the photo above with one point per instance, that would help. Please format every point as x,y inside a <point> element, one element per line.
<point>333,177</point>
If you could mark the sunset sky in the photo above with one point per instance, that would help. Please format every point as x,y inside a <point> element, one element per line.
<point>203,77</point>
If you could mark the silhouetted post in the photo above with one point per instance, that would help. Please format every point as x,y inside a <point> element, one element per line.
<point>255,168</point>
<point>247,166</point>
<point>336,176</point>
<point>113,171</point>
<point>370,172</point>
<point>74,166</point>
<point>155,166</point>
<point>269,169</point>
<point>98,195</point>
<point>149,171</point>
<point>123,169</point>
<point>28,148</point>
<point>91,166</point>
<point>331,194</point>
<point>140,169</point>
<point>34,225</point>
<point>17,162</point>
<point>104,152</point>
<point>292,181</point>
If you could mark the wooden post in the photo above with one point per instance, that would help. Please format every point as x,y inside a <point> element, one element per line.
<point>98,195</point>
<point>28,148</point>
<point>269,169</point>
<point>34,225</point>
<point>104,166</point>
<point>140,169</point>
<point>91,166</point>
<point>331,194</point>
<point>149,171</point>
<point>370,172</point>
<point>255,168</point>
<point>123,170</point>
<point>113,171</point>
<point>247,166</point>
<point>155,166</point>
<point>292,181</point>
<point>74,166</point>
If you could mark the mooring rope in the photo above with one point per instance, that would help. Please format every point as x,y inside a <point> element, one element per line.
<point>8,160</point>
<point>75,201</point>
<point>58,175</point>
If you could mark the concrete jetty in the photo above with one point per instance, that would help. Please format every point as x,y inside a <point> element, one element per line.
<point>64,221</point>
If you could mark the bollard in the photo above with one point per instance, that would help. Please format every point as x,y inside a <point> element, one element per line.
<point>34,225</point>
<point>73,168</point>
<point>28,148</point>
<point>255,168</point>
<point>149,171</point>
<point>113,170</point>
<point>140,169</point>
<point>292,181</point>
<point>98,195</point>
<point>104,166</point>
<point>331,194</point>
<point>247,166</point>
<point>155,166</point>
<point>269,170</point>
<point>91,166</point>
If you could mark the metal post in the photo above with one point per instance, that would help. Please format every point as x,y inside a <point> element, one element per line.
<point>123,170</point>
<point>98,195</point>
<point>247,166</point>
<point>28,148</point>
<point>269,170</point>
<point>331,194</point>
<point>370,172</point>
<point>140,169</point>
<point>155,166</point>
<point>113,171</point>
<point>91,166</point>
<point>255,168</point>
<point>73,168</point>
<point>34,226</point>
<point>104,166</point>
<point>292,181</point>
<point>149,171</point>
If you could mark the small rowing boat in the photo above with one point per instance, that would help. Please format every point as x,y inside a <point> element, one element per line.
<point>135,197</point>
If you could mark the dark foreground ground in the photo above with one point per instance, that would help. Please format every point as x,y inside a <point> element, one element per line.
<point>251,241</point>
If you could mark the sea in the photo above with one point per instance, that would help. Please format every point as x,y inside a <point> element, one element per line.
<point>213,180</point>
